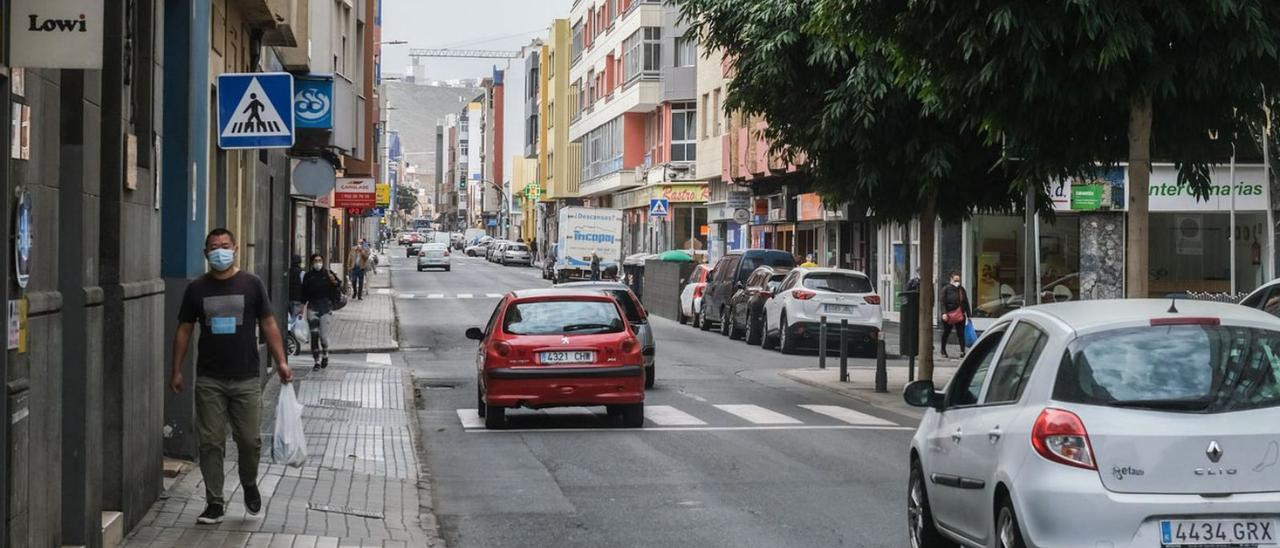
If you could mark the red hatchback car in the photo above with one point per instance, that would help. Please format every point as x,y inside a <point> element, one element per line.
<point>557,348</point>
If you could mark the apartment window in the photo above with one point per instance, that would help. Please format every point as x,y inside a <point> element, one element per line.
<point>686,51</point>
<point>591,88</point>
<point>642,54</point>
<point>716,119</point>
<point>576,47</point>
<point>703,114</point>
<point>576,90</point>
<point>602,150</point>
<point>462,150</point>
<point>684,131</point>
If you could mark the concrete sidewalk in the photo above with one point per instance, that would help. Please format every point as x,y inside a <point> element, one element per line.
<point>359,487</point>
<point>367,325</point>
<point>862,382</point>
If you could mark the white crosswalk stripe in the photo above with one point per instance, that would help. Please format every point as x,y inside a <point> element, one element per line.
<point>406,295</point>
<point>493,295</point>
<point>665,415</point>
<point>464,295</point>
<point>847,415</point>
<point>757,415</point>
<point>380,359</point>
<point>470,418</point>
<point>436,296</point>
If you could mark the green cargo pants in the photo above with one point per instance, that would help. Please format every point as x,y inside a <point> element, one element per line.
<point>219,401</point>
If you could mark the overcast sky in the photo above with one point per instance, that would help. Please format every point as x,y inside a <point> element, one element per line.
<point>462,24</point>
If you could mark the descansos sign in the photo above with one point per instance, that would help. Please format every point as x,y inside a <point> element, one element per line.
<point>63,34</point>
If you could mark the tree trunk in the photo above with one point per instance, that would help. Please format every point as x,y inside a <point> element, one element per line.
<point>928,220</point>
<point>1138,234</point>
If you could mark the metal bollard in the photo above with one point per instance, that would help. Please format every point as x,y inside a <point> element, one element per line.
<point>822,343</point>
<point>882,374</point>
<point>844,351</point>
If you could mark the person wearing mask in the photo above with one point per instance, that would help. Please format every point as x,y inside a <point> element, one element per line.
<point>955,312</point>
<point>231,307</point>
<point>357,265</point>
<point>595,267</point>
<point>320,288</point>
<point>808,261</point>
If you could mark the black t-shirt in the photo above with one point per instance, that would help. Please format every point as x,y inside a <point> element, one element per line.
<point>228,312</point>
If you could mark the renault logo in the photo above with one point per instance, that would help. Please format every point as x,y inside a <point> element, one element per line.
<point>1214,451</point>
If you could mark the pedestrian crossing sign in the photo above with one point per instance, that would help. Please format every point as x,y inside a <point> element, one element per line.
<point>658,207</point>
<point>255,110</point>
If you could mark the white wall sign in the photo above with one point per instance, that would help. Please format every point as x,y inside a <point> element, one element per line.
<point>56,34</point>
<point>1250,195</point>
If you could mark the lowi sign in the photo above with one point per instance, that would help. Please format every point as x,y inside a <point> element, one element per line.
<point>61,34</point>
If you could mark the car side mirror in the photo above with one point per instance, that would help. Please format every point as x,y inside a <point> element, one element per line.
<point>923,394</point>
<point>475,334</point>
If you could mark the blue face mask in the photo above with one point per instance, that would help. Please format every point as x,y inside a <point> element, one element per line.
<point>221,259</point>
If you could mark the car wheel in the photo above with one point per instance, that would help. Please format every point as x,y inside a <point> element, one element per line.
<point>703,324</point>
<point>697,320</point>
<point>921,530</point>
<point>1008,534</point>
<point>724,322</point>
<point>614,410</point>
<point>292,346</point>
<point>495,417</point>
<point>767,341</point>
<point>734,332</point>
<point>480,407</point>
<point>683,319</point>
<point>448,268</point>
<point>649,377</point>
<point>786,343</point>
<point>633,415</point>
<point>753,330</point>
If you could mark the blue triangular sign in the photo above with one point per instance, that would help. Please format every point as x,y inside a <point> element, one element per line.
<point>658,207</point>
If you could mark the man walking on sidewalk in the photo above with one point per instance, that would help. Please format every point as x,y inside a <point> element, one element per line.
<point>358,264</point>
<point>230,306</point>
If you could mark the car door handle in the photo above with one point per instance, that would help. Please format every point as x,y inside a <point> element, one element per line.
<point>995,434</point>
<point>955,436</point>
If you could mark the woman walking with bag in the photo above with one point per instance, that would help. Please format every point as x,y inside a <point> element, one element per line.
<point>955,312</point>
<point>321,289</point>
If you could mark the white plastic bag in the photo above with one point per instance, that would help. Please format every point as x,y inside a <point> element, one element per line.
<point>289,445</point>
<point>301,331</point>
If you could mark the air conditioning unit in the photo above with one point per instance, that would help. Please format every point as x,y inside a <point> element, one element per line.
<point>778,215</point>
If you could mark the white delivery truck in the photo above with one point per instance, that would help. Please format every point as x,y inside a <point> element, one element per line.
<point>584,230</point>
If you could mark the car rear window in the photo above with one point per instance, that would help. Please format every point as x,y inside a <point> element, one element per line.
<point>837,282</point>
<point>1189,368</point>
<point>517,248</point>
<point>752,262</point>
<point>562,318</point>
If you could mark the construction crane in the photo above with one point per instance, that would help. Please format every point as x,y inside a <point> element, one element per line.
<point>466,53</point>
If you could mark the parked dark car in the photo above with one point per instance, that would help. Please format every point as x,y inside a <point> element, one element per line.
<point>746,308</point>
<point>729,275</point>
<point>636,315</point>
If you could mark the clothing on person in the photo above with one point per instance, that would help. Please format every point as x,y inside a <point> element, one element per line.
<point>358,264</point>
<point>228,312</point>
<point>221,403</point>
<point>595,267</point>
<point>953,298</point>
<point>319,290</point>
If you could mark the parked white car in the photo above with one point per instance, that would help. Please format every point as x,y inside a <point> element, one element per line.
<point>793,316</point>
<point>516,253</point>
<point>1104,423</point>
<point>478,249</point>
<point>434,255</point>
<point>691,295</point>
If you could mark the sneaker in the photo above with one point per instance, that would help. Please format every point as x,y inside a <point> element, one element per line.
<point>324,362</point>
<point>316,367</point>
<point>212,514</point>
<point>252,499</point>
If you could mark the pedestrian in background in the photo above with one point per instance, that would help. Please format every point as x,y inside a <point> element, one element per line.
<point>357,265</point>
<point>595,267</point>
<point>231,306</point>
<point>320,289</point>
<point>296,272</point>
<point>955,312</point>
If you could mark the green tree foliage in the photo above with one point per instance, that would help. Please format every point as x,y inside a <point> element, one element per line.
<point>1067,84</point>
<point>835,97</point>
<point>406,198</point>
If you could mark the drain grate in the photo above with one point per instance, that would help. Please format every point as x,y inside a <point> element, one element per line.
<point>330,402</point>
<point>346,510</point>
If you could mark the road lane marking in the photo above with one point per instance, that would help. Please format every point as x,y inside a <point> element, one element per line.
<point>470,418</point>
<point>847,415</point>
<point>464,295</point>
<point>384,291</point>
<point>436,296</point>
<point>493,295</point>
<point>406,295</point>
<point>380,359</point>
<point>756,414</point>
<point>665,415</point>
<point>572,430</point>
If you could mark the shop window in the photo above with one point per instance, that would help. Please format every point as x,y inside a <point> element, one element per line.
<point>1191,252</point>
<point>999,272</point>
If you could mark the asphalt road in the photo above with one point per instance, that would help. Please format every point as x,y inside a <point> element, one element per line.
<point>732,454</point>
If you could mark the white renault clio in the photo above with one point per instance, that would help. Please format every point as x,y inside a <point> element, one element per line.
<point>1151,423</point>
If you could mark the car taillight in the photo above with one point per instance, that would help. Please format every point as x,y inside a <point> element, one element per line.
<point>697,291</point>
<point>803,294</point>
<point>1060,437</point>
<point>872,299</point>
<point>630,346</point>
<point>766,294</point>
<point>446,253</point>
<point>502,349</point>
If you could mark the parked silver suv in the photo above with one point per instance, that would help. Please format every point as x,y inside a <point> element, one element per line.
<point>1104,423</point>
